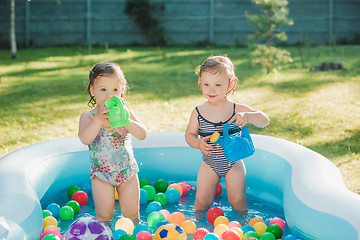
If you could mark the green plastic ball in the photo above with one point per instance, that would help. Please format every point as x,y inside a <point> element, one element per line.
<point>74,205</point>
<point>72,190</point>
<point>161,198</point>
<point>151,191</point>
<point>50,237</point>
<point>143,182</point>
<point>66,213</point>
<point>267,236</point>
<point>251,234</point>
<point>154,218</point>
<point>161,185</point>
<point>46,213</point>
<point>275,229</point>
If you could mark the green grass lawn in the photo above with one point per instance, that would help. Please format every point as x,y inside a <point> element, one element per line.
<point>43,93</point>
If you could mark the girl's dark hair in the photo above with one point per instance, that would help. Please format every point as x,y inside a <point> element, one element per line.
<point>105,69</point>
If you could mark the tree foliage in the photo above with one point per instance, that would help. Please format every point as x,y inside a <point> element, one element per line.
<point>266,26</point>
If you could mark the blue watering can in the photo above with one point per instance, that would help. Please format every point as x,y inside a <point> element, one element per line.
<point>235,147</point>
<point>118,114</point>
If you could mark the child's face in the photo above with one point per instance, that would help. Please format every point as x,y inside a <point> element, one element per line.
<point>214,86</point>
<point>106,87</point>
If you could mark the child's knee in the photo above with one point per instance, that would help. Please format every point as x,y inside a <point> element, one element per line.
<point>202,203</point>
<point>104,216</point>
<point>238,203</point>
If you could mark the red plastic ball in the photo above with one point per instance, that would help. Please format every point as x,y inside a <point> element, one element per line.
<point>200,233</point>
<point>213,213</point>
<point>278,221</point>
<point>81,197</point>
<point>144,235</point>
<point>230,235</point>
<point>218,190</point>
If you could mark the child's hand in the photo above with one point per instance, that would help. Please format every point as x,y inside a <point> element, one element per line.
<point>102,116</point>
<point>205,148</point>
<point>240,119</point>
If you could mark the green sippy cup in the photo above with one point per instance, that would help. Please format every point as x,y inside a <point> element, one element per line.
<point>119,115</point>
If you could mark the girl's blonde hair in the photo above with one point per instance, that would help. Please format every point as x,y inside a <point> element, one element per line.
<point>216,64</point>
<point>105,69</point>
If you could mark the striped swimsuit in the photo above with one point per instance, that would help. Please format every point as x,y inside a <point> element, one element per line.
<point>217,160</point>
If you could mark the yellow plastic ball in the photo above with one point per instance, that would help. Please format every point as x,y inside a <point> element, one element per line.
<point>116,195</point>
<point>221,220</point>
<point>260,227</point>
<point>220,229</point>
<point>239,231</point>
<point>125,224</point>
<point>189,226</point>
<point>50,226</point>
<point>255,220</point>
<point>49,220</point>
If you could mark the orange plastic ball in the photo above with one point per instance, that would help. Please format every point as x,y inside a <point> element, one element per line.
<point>177,218</point>
<point>255,220</point>
<point>189,226</point>
<point>176,186</point>
<point>220,229</point>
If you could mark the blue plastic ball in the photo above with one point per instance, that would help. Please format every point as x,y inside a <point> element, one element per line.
<point>141,227</point>
<point>211,236</point>
<point>153,207</point>
<point>161,223</point>
<point>173,195</point>
<point>246,228</point>
<point>54,208</point>
<point>290,237</point>
<point>118,233</point>
<point>144,196</point>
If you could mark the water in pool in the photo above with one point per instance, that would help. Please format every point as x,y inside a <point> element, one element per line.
<point>256,207</point>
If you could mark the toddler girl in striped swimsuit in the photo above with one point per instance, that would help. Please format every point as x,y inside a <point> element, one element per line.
<point>217,81</point>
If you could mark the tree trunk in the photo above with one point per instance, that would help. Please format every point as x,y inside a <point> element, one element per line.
<point>12,29</point>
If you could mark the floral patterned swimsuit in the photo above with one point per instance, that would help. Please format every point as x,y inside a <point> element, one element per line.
<point>112,157</point>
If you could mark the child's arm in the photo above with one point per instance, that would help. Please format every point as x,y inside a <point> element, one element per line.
<point>89,125</point>
<point>191,135</point>
<point>136,128</point>
<point>245,114</point>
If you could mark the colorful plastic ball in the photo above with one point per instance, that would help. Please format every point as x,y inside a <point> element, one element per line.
<point>46,213</point>
<point>144,182</point>
<point>116,195</point>
<point>144,196</point>
<point>230,235</point>
<point>184,187</point>
<point>275,229</point>
<point>234,224</point>
<point>161,185</point>
<point>50,226</point>
<point>166,213</point>
<point>220,229</point>
<point>154,206</point>
<point>51,237</point>
<point>54,231</point>
<point>118,233</point>
<point>213,213</point>
<point>161,223</point>
<point>50,220</point>
<point>267,236</point>
<point>200,233</point>
<point>54,208</point>
<point>125,224</point>
<point>245,228</point>
<point>251,238</point>
<point>278,221</point>
<point>260,227</point>
<point>255,220</point>
<point>173,195</point>
<point>211,236</point>
<point>151,191</point>
<point>221,220</point>
<point>218,190</point>
<point>153,219</point>
<point>239,231</point>
<point>169,232</point>
<point>88,228</point>
<point>144,235</point>
<point>141,227</point>
<point>74,205</point>
<point>177,218</point>
<point>161,198</point>
<point>290,237</point>
<point>73,189</point>
<point>250,234</point>
<point>176,186</point>
<point>189,226</point>
<point>66,213</point>
<point>81,197</point>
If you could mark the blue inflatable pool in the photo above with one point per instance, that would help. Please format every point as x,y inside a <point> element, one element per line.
<point>310,189</point>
